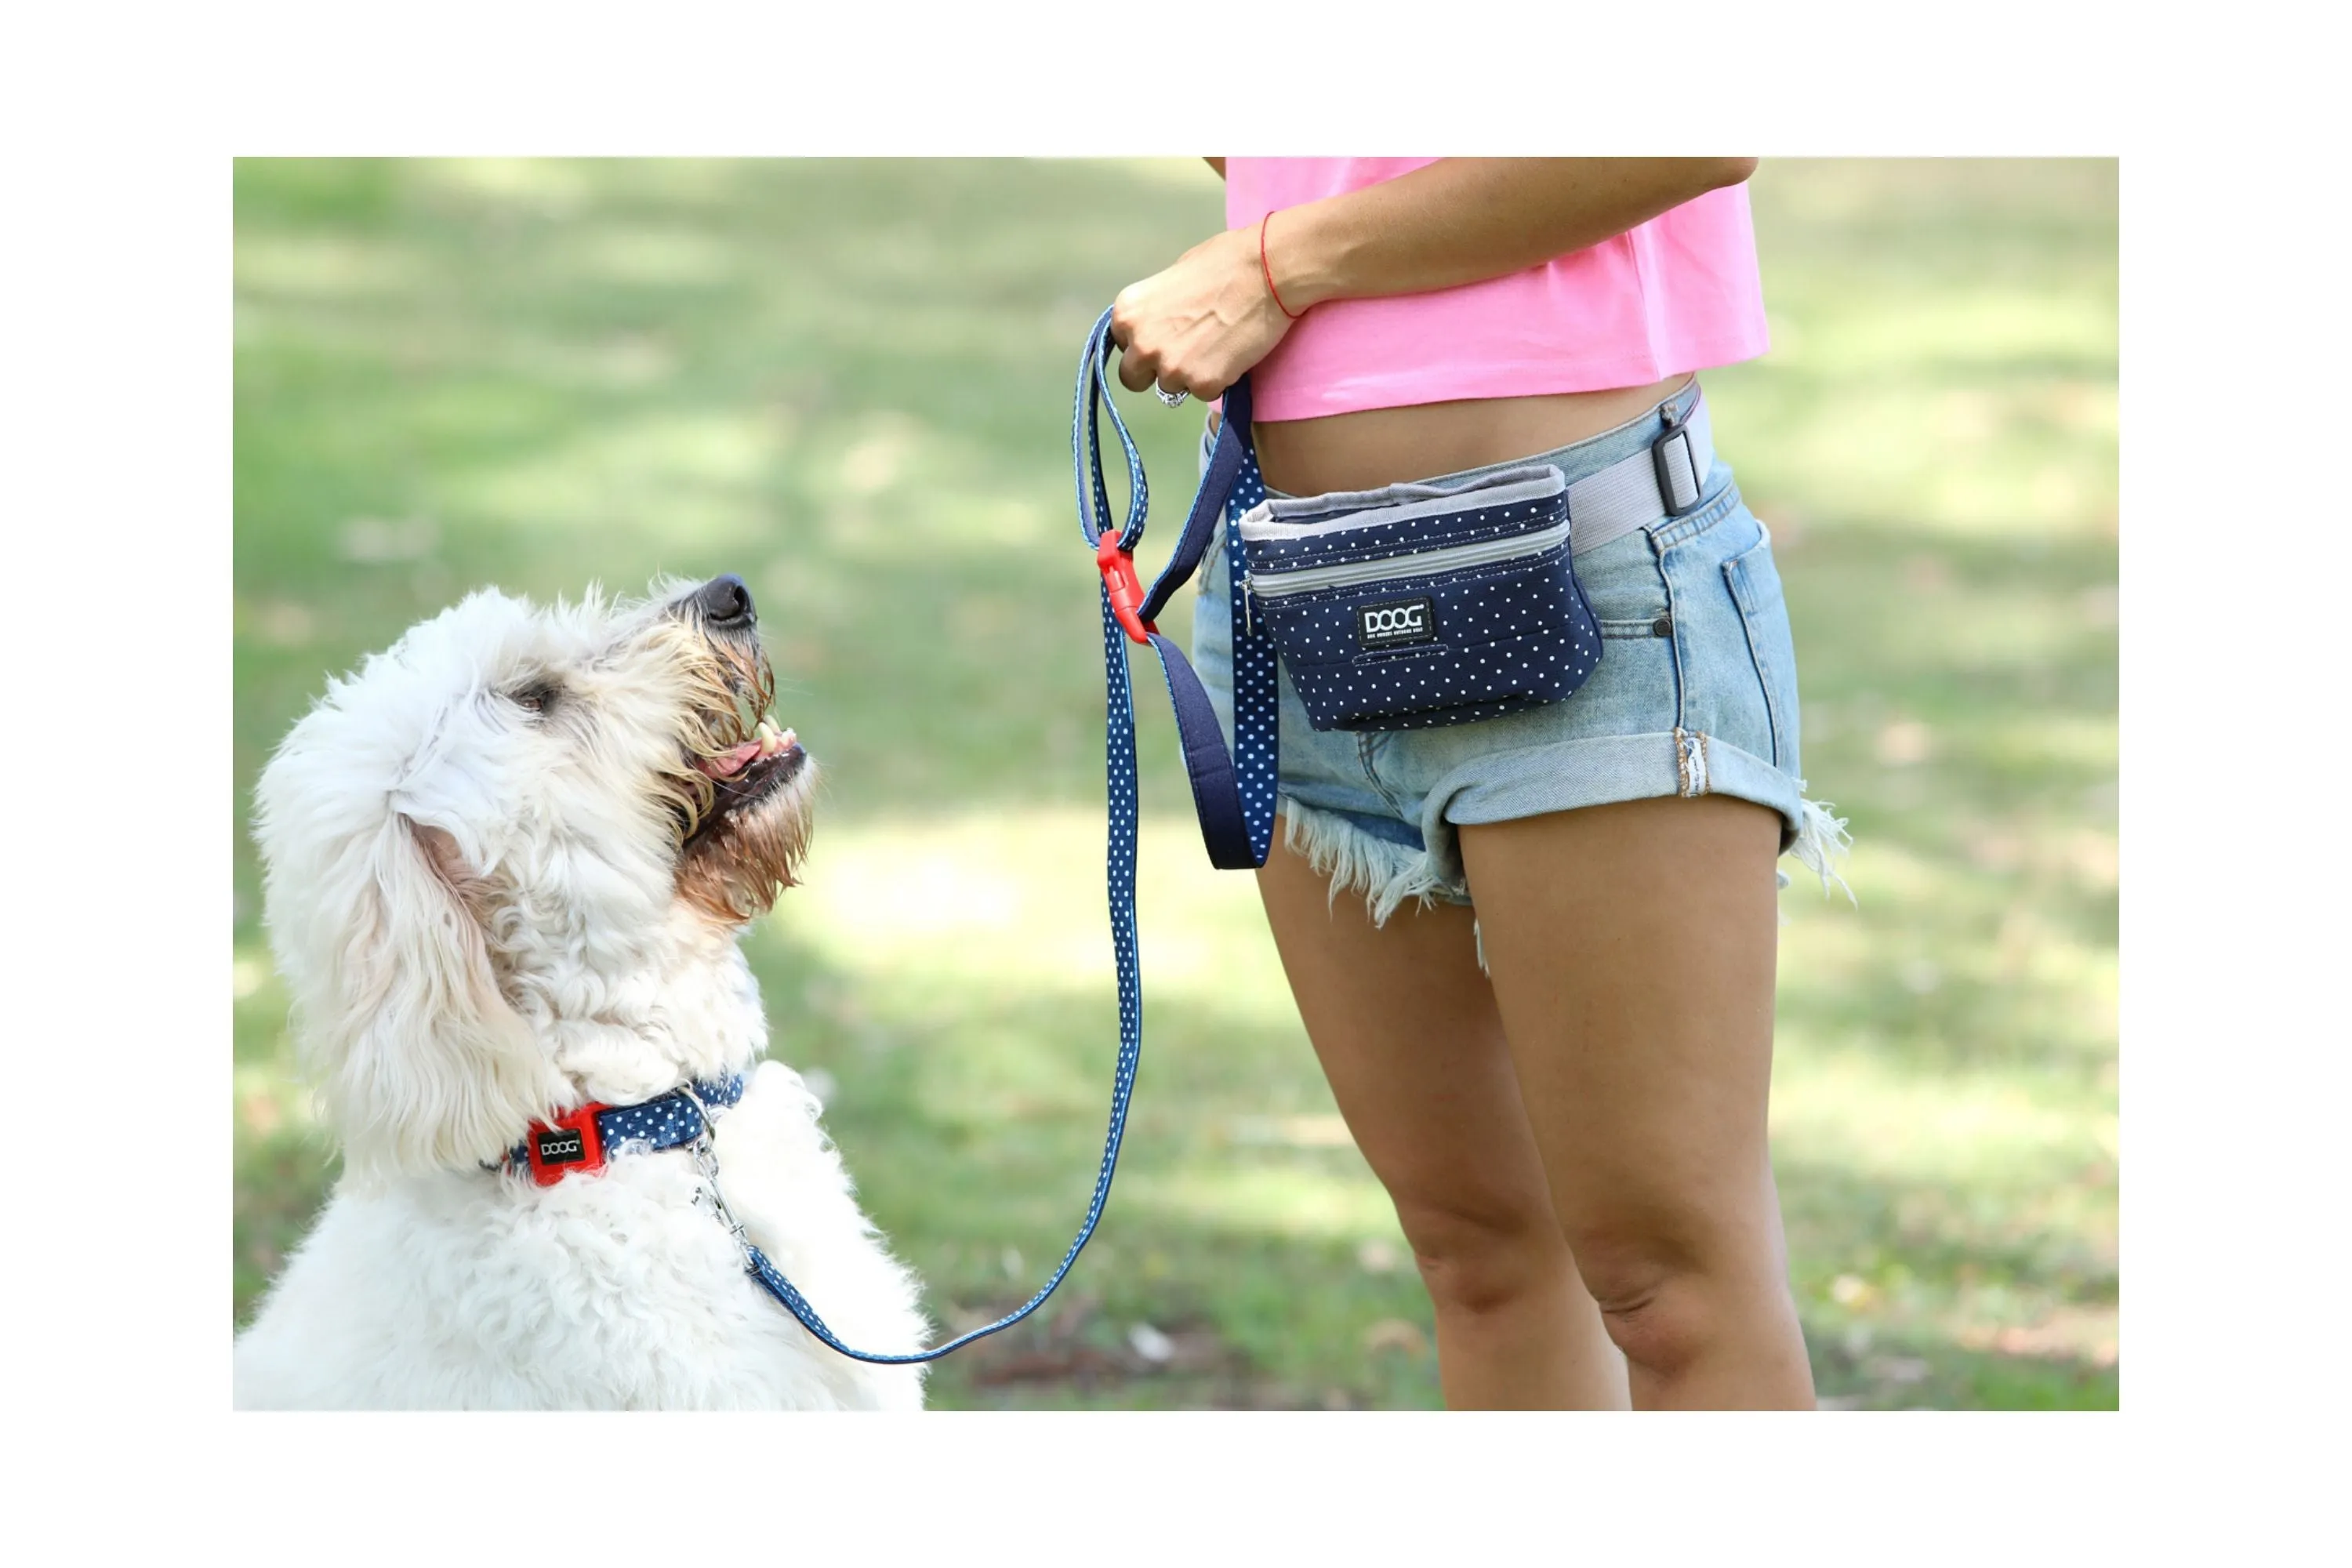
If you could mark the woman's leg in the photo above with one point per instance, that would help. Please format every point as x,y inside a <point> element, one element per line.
<point>1632,948</point>
<point>1409,1037</point>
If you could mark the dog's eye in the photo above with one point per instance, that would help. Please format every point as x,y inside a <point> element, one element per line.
<point>536,698</point>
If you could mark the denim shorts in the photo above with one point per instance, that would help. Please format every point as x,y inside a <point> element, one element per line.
<point>1695,694</point>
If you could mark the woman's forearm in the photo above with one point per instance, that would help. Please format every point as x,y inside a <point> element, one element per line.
<point>1463,220</point>
<point>1197,325</point>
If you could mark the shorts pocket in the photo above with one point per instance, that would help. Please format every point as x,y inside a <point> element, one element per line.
<point>1626,587</point>
<point>1755,584</point>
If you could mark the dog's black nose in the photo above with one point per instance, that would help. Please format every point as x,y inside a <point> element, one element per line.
<point>726,604</point>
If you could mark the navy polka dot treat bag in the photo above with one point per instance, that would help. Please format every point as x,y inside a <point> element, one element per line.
<point>1421,604</point>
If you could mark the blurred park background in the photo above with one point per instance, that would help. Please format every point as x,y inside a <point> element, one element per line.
<point>849,381</point>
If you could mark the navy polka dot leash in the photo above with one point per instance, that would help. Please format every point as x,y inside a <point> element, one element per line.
<point>1235,804</point>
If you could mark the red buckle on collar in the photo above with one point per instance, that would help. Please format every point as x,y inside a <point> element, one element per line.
<point>571,1144</point>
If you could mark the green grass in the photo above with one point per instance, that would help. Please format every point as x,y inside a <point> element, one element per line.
<point>849,381</point>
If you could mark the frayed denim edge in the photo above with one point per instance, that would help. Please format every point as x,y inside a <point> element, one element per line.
<point>1822,842</point>
<point>1386,874</point>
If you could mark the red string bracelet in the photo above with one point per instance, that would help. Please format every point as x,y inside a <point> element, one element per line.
<point>1268,267</point>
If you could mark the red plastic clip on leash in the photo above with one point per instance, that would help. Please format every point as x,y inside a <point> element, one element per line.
<point>1117,569</point>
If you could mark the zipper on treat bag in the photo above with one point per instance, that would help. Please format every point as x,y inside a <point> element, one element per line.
<point>1346,511</point>
<point>1422,563</point>
<point>1322,517</point>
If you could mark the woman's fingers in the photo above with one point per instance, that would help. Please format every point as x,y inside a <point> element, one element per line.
<point>1138,370</point>
<point>1137,367</point>
<point>1141,367</point>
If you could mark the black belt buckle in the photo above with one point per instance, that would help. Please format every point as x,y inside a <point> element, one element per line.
<point>1677,429</point>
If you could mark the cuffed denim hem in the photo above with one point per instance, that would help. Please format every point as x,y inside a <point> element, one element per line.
<point>1602,770</point>
<point>1380,860</point>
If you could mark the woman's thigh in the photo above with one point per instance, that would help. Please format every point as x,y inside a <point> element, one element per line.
<point>1631,949</point>
<point>1406,1028</point>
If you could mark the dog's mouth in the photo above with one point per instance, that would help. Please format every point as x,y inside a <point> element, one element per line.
<point>739,790</point>
<point>746,773</point>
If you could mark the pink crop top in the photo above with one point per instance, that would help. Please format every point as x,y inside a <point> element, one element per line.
<point>1678,293</point>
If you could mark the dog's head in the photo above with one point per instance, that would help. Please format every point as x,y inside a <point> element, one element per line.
<point>507,815</point>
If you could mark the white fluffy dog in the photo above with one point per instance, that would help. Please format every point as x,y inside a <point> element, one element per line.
<point>508,862</point>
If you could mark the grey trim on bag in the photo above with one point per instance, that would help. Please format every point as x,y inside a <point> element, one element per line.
<point>1536,482</point>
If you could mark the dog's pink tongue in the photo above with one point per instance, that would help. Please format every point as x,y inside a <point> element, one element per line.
<point>728,762</point>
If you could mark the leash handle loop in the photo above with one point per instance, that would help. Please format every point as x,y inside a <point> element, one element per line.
<point>1086,446</point>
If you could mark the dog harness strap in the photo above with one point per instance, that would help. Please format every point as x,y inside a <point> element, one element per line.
<point>1235,804</point>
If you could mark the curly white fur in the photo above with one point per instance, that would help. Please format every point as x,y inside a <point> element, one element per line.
<point>484,898</point>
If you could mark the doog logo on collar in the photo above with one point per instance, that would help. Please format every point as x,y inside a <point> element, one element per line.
<point>1396,623</point>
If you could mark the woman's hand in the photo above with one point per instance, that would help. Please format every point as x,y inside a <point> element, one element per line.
<point>1196,326</point>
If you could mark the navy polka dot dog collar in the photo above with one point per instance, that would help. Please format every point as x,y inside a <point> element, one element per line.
<point>582,1140</point>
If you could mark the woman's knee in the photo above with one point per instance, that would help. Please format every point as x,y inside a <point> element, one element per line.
<point>1479,1257</point>
<point>1668,1293</point>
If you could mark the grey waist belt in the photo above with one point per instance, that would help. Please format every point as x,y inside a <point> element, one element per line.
<point>1664,481</point>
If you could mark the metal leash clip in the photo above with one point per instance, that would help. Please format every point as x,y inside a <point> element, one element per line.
<point>705,1161</point>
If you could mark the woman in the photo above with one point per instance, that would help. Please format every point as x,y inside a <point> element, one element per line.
<point>1547,1018</point>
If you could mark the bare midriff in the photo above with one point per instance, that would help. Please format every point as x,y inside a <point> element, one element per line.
<point>1377,447</point>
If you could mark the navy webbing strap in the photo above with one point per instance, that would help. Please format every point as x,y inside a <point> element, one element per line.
<point>1235,804</point>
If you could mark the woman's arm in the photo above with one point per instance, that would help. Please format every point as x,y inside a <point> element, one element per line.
<point>1198,325</point>
<point>1461,220</point>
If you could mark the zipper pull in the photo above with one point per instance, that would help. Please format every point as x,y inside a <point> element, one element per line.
<point>1249,607</point>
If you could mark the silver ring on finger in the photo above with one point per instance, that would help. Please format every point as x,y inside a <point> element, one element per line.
<point>1173,399</point>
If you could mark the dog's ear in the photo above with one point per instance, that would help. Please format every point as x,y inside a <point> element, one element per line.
<point>420,1060</point>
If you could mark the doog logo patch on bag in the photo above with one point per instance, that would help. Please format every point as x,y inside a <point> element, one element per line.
<point>1420,603</point>
<point>1396,623</point>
